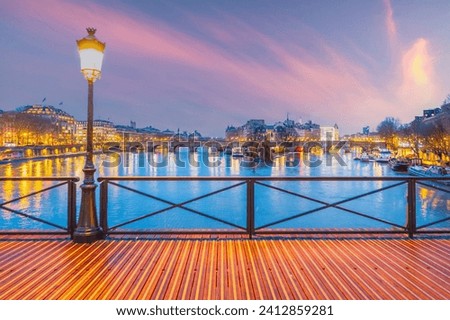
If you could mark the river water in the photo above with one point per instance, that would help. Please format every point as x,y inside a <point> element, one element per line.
<point>275,201</point>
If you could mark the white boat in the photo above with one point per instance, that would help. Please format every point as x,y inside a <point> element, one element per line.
<point>433,171</point>
<point>383,156</point>
<point>292,159</point>
<point>237,152</point>
<point>213,152</point>
<point>365,157</point>
<point>399,164</point>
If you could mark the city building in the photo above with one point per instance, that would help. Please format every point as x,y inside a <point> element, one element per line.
<point>287,130</point>
<point>366,130</point>
<point>329,133</point>
<point>439,115</point>
<point>431,112</point>
<point>231,133</point>
<point>64,124</point>
<point>103,131</point>
<point>46,125</point>
<point>308,131</point>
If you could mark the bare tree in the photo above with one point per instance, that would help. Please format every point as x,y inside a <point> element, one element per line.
<point>28,128</point>
<point>388,128</point>
<point>413,133</point>
<point>436,139</point>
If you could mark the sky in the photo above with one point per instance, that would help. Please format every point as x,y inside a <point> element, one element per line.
<point>206,64</point>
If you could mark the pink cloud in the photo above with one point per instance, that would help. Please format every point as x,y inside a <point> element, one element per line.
<point>216,70</point>
<point>391,26</point>
<point>419,85</point>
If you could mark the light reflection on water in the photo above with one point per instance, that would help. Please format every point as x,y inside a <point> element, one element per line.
<point>270,205</point>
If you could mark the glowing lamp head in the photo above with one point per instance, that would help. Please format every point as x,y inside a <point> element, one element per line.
<point>91,55</point>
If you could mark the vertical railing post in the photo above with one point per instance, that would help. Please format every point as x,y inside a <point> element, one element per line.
<point>71,207</point>
<point>104,206</point>
<point>250,207</point>
<point>411,223</point>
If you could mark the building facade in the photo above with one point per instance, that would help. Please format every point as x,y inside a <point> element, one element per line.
<point>287,130</point>
<point>64,124</point>
<point>329,133</point>
<point>103,131</point>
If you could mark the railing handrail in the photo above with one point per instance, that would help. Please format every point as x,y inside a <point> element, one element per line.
<point>71,203</point>
<point>266,178</point>
<point>250,181</point>
<point>74,179</point>
<point>410,228</point>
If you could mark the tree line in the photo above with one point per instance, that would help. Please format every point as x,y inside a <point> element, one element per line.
<point>23,128</point>
<point>421,136</point>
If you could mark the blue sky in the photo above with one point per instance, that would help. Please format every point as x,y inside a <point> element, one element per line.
<point>207,64</point>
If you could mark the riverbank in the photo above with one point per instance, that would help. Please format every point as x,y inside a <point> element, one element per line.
<point>42,157</point>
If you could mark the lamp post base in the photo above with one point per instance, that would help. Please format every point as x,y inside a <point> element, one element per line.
<point>87,235</point>
<point>88,230</point>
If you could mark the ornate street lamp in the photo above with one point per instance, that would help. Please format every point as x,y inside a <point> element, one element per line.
<point>91,57</point>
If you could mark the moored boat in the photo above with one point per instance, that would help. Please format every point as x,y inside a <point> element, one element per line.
<point>432,171</point>
<point>237,152</point>
<point>227,151</point>
<point>399,164</point>
<point>383,156</point>
<point>292,159</point>
<point>213,152</point>
<point>365,157</point>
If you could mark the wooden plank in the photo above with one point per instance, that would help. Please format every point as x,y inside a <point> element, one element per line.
<point>299,284</point>
<point>407,274</point>
<point>181,271</point>
<point>258,285</point>
<point>359,271</point>
<point>106,284</point>
<point>19,280</point>
<point>55,275</point>
<point>380,265</point>
<point>247,291</point>
<point>333,272</point>
<point>149,259</point>
<point>221,268</point>
<point>134,272</point>
<point>91,271</point>
<point>202,271</point>
<point>313,271</point>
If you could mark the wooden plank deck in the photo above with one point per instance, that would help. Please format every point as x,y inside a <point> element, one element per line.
<point>226,269</point>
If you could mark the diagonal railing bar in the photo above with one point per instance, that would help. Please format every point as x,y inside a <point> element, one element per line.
<point>170,208</point>
<point>434,187</point>
<point>334,205</point>
<point>432,223</point>
<point>181,203</point>
<point>291,193</point>
<point>33,218</point>
<point>140,192</point>
<point>34,193</point>
<point>323,202</point>
<point>178,205</point>
<point>324,207</point>
<point>250,181</point>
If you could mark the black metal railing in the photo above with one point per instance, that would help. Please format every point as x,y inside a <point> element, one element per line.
<point>252,220</point>
<point>250,228</point>
<point>56,226</point>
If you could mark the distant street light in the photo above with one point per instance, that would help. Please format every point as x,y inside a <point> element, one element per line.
<point>91,57</point>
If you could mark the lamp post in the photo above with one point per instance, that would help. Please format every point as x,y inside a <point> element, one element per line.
<point>91,58</point>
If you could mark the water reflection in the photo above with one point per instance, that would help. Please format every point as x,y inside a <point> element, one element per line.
<point>271,205</point>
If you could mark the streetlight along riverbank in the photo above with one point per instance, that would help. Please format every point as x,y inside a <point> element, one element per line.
<point>91,52</point>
